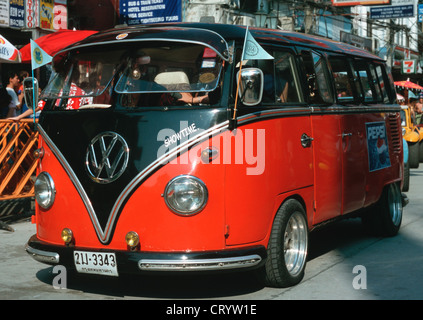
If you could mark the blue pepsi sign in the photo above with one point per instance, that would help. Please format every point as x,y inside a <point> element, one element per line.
<point>377,146</point>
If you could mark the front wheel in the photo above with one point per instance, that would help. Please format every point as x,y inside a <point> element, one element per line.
<point>287,248</point>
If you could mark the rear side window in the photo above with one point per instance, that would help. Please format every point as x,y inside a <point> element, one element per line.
<point>343,79</point>
<point>370,88</point>
<point>384,83</point>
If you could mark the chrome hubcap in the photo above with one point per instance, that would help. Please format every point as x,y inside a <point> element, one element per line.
<point>295,243</point>
<point>395,204</point>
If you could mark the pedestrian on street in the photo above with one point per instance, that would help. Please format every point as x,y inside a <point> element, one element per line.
<point>16,100</point>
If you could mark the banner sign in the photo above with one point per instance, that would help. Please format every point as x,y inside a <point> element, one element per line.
<point>150,11</point>
<point>16,13</point>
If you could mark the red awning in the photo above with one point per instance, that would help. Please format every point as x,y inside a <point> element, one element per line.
<point>54,42</point>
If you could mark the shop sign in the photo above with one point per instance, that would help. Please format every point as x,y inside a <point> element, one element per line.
<point>32,14</point>
<point>150,11</point>
<point>397,9</point>
<point>46,14</point>
<point>409,66</point>
<point>4,13</point>
<point>60,20</point>
<point>16,13</point>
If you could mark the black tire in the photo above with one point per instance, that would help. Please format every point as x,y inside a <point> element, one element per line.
<point>406,183</point>
<point>385,218</point>
<point>287,248</point>
<point>421,151</point>
<point>414,158</point>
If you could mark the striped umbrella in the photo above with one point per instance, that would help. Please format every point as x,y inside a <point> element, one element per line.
<point>408,85</point>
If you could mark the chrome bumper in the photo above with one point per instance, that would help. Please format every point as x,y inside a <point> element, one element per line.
<point>199,264</point>
<point>139,262</point>
<point>43,256</point>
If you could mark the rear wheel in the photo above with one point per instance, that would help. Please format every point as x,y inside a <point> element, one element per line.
<point>414,158</point>
<point>406,184</point>
<point>287,249</point>
<point>386,217</point>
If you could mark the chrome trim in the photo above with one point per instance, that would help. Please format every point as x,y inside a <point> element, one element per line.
<point>52,189</point>
<point>199,264</point>
<point>43,256</point>
<point>96,166</point>
<point>104,235</point>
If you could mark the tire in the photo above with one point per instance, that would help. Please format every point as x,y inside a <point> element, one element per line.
<point>287,248</point>
<point>386,217</point>
<point>414,158</point>
<point>406,183</point>
<point>421,151</point>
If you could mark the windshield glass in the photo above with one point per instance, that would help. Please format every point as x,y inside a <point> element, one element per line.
<point>87,77</point>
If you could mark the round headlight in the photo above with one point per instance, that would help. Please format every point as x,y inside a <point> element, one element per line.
<point>186,195</point>
<point>44,190</point>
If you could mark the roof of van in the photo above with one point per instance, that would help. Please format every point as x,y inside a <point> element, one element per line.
<point>235,32</point>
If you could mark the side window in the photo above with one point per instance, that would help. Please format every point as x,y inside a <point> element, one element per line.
<point>281,84</point>
<point>286,78</point>
<point>343,78</point>
<point>318,83</point>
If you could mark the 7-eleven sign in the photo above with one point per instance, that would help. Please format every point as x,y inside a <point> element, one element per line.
<point>409,66</point>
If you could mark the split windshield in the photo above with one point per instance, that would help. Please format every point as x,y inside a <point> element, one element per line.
<point>137,71</point>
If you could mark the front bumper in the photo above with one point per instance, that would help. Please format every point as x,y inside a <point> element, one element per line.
<point>129,262</point>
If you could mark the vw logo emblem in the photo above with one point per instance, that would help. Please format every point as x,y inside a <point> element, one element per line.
<point>107,157</point>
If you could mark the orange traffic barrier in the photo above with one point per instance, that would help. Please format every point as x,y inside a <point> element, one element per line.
<point>18,141</point>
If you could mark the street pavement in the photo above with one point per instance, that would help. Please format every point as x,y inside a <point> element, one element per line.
<point>344,263</point>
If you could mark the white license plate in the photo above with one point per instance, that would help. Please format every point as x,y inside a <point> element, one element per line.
<point>103,263</point>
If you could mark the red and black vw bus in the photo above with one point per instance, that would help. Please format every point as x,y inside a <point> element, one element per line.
<point>147,165</point>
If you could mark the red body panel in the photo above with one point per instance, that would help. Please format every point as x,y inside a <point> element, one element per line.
<point>246,183</point>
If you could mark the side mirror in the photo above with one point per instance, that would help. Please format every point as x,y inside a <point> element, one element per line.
<point>251,86</point>
<point>30,92</point>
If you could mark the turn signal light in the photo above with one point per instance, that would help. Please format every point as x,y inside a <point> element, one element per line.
<point>132,239</point>
<point>67,235</point>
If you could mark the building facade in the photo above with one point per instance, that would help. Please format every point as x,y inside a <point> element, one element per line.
<point>393,35</point>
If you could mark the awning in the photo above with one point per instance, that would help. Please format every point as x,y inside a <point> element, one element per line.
<point>54,42</point>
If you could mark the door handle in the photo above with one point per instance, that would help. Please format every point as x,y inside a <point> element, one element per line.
<point>349,134</point>
<point>306,140</point>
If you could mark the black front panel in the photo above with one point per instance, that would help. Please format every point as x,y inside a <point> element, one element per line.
<point>144,132</point>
